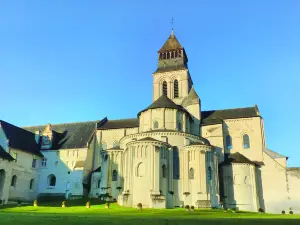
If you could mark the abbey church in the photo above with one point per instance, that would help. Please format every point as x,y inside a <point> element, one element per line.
<point>170,155</point>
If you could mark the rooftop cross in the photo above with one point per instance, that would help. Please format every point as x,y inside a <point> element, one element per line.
<point>172,22</point>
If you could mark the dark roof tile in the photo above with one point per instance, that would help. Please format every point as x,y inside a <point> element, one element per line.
<point>69,135</point>
<point>217,116</point>
<point>118,124</point>
<point>5,155</point>
<point>20,138</point>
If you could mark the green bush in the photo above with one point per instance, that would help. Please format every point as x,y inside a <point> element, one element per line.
<point>282,212</point>
<point>140,206</point>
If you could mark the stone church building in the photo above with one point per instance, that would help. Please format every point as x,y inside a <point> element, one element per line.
<point>172,154</point>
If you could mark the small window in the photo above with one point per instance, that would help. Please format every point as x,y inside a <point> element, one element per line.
<point>179,126</point>
<point>51,180</point>
<point>31,183</point>
<point>246,141</point>
<point>176,163</point>
<point>176,93</point>
<point>209,173</point>
<point>33,163</point>
<point>165,88</point>
<point>15,156</point>
<point>191,174</point>
<point>44,162</point>
<point>228,142</point>
<point>13,181</point>
<point>114,175</point>
<point>98,183</point>
<point>155,125</point>
<point>164,171</point>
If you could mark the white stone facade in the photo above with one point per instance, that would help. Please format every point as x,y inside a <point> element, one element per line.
<point>173,154</point>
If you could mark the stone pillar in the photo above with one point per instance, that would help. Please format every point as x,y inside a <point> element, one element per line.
<point>185,171</point>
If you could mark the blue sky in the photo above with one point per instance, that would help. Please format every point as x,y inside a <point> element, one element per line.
<point>68,61</point>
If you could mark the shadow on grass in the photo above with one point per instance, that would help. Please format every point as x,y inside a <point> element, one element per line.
<point>69,203</point>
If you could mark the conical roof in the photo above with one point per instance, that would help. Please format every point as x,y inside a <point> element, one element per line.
<point>171,44</point>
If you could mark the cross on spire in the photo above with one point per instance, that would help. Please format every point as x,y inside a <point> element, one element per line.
<point>172,22</point>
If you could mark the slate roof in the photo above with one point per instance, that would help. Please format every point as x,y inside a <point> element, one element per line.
<point>171,44</point>
<point>5,155</point>
<point>273,154</point>
<point>217,116</point>
<point>239,158</point>
<point>118,124</point>
<point>20,138</point>
<point>69,135</point>
<point>148,139</point>
<point>164,102</point>
<point>170,68</point>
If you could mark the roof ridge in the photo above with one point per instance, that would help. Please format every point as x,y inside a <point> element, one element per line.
<point>90,121</point>
<point>123,119</point>
<point>229,109</point>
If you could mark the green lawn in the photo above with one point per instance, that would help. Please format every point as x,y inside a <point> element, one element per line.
<point>76,213</point>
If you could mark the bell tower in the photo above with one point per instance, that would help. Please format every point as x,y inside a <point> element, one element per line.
<point>172,77</point>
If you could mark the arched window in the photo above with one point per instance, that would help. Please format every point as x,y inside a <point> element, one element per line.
<point>155,125</point>
<point>209,173</point>
<point>116,144</point>
<point>175,163</point>
<point>165,88</point>
<point>176,93</point>
<point>13,181</point>
<point>140,170</point>
<point>228,142</point>
<point>191,174</point>
<point>31,183</point>
<point>98,183</point>
<point>114,175</point>
<point>246,141</point>
<point>164,171</point>
<point>51,180</point>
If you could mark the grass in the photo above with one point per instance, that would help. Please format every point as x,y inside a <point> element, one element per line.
<point>76,213</point>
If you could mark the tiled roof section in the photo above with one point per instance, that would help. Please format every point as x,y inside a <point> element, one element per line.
<point>171,44</point>
<point>164,102</point>
<point>217,116</point>
<point>168,69</point>
<point>118,124</point>
<point>148,139</point>
<point>20,138</point>
<point>273,154</point>
<point>239,158</point>
<point>69,135</point>
<point>5,155</point>
<point>192,98</point>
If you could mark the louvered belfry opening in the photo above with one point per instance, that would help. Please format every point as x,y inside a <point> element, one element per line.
<point>165,88</point>
<point>176,93</point>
